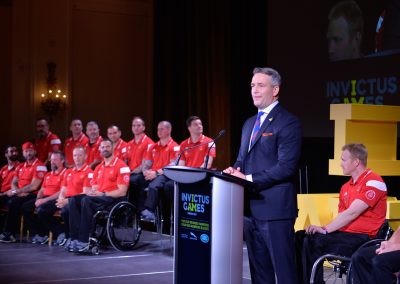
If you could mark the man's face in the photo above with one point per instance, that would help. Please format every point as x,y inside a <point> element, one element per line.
<point>29,154</point>
<point>92,131</point>
<point>163,131</point>
<point>79,156</point>
<point>56,162</point>
<point>138,126</point>
<point>341,45</point>
<point>76,127</point>
<point>12,154</point>
<point>196,127</point>
<point>349,163</point>
<point>42,128</point>
<point>106,149</point>
<point>262,91</point>
<point>113,134</point>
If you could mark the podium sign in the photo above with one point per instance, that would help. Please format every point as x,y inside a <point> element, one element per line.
<point>193,235</point>
<point>208,226</point>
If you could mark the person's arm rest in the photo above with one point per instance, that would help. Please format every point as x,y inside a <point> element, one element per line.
<point>119,192</point>
<point>14,183</point>
<point>34,185</point>
<point>395,238</point>
<point>146,165</point>
<point>86,190</point>
<point>40,200</point>
<point>393,244</point>
<point>356,208</point>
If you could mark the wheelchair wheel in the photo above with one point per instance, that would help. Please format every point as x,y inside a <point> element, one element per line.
<point>95,250</point>
<point>123,228</point>
<point>100,225</point>
<point>335,274</point>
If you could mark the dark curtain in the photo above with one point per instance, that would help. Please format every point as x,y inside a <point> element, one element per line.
<point>204,52</point>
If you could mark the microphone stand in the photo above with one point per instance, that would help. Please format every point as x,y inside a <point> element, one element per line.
<point>220,134</point>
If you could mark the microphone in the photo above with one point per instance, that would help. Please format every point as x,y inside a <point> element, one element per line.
<point>187,149</point>
<point>220,134</point>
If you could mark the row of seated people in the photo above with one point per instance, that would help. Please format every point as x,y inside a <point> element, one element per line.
<point>361,213</point>
<point>27,188</point>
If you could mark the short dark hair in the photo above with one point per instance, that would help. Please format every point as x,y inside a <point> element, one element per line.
<point>60,153</point>
<point>8,147</point>
<point>107,139</point>
<point>139,117</point>
<point>190,119</point>
<point>358,151</point>
<point>112,126</point>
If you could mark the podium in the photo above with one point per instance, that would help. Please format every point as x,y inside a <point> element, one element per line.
<point>208,224</point>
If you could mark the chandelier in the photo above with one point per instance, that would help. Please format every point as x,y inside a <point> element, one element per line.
<point>53,100</point>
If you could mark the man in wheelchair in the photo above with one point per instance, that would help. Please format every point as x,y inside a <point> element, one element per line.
<point>110,184</point>
<point>362,211</point>
<point>377,264</point>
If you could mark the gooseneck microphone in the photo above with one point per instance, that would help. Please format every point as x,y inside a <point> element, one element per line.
<point>220,134</point>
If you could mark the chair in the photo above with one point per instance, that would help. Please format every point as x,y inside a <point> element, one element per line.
<point>119,226</point>
<point>341,265</point>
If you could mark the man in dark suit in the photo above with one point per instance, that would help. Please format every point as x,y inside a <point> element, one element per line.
<point>268,156</point>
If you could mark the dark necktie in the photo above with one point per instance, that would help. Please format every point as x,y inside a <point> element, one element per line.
<point>256,127</point>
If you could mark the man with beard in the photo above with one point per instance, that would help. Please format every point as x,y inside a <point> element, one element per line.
<point>47,142</point>
<point>92,149</point>
<point>39,225</point>
<point>7,174</point>
<point>110,184</point>
<point>27,180</point>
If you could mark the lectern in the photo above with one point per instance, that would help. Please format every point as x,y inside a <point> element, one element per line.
<point>208,225</point>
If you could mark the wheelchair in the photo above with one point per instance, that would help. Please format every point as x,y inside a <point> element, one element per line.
<point>119,226</point>
<point>341,265</point>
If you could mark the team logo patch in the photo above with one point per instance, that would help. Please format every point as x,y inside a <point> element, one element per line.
<point>40,174</point>
<point>370,194</point>
<point>126,178</point>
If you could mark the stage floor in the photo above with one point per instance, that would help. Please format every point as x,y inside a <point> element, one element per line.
<point>150,262</point>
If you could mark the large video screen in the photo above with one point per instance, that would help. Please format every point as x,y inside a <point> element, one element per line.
<point>334,52</point>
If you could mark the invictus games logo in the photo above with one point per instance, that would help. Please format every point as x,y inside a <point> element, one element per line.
<point>362,91</point>
<point>194,203</point>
